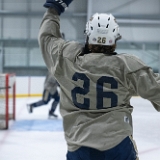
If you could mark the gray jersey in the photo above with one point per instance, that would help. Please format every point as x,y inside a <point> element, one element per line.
<point>95,88</point>
<point>50,84</point>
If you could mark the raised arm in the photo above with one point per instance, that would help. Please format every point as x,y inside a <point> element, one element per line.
<point>49,38</point>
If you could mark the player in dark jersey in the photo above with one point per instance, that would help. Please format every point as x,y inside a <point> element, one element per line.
<point>50,93</point>
<point>96,86</point>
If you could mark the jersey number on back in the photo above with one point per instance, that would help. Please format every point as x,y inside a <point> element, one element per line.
<point>99,91</point>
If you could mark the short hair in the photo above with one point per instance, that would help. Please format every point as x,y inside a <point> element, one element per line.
<point>101,49</point>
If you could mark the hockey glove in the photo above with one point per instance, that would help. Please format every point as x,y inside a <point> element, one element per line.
<point>59,5</point>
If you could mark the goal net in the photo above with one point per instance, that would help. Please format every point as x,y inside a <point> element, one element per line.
<point>7,99</point>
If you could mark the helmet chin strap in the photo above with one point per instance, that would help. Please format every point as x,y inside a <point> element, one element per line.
<point>120,37</point>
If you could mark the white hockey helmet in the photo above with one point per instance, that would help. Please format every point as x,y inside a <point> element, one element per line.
<point>102,29</point>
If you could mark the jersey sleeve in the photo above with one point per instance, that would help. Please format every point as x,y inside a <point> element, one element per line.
<point>146,84</point>
<point>52,45</point>
<point>142,80</point>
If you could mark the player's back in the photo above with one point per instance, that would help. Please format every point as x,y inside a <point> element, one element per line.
<point>98,81</point>
<point>95,98</point>
<point>95,89</point>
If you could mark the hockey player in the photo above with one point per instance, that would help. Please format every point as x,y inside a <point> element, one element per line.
<point>50,92</point>
<point>96,86</point>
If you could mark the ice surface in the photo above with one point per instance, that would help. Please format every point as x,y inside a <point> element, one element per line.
<point>35,137</point>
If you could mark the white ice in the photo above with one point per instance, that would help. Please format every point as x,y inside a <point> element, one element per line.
<point>35,137</point>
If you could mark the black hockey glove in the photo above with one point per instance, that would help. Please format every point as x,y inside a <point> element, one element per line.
<point>59,5</point>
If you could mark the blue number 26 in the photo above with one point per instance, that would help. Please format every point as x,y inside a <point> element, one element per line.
<point>99,89</point>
